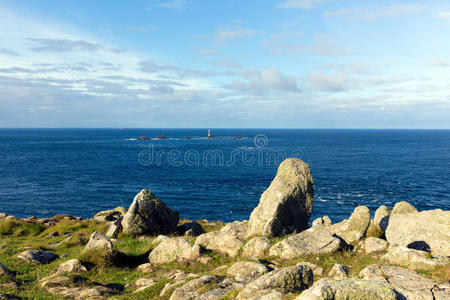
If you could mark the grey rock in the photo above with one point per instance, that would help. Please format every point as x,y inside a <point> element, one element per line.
<point>315,240</point>
<point>71,266</point>
<point>99,242</point>
<point>247,269</point>
<point>338,271</point>
<point>372,272</point>
<point>37,257</point>
<point>149,215</point>
<point>381,218</point>
<point>403,207</point>
<point>373,245</point>
<point>357,225</point>
<point>256,247</point>
<point>285,207</point>
<point>414,259</point>
<point>190,229</point>
<point>189,290</point>
<point>174,249</point>
<point>348,288</point>
<point>431,228</point>
<point>284,280</point>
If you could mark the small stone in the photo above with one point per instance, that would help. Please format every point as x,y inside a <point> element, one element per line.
<point>99,242</point>
<point>145,268</point>
<point>338,271</point>
<point>72,266</point>
<point>37,257</point>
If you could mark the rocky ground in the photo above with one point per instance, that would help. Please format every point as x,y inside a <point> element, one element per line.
<point>146,252</point>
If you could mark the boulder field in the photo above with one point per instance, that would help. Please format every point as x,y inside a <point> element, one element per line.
<point>398,254</point>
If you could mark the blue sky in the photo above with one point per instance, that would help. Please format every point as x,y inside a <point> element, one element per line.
<point>192,63</point>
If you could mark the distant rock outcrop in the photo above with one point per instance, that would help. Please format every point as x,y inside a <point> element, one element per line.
<point>285,207</point>
<point>149,215</point>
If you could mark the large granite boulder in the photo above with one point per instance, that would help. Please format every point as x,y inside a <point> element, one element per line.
<point>413,259</point>
<point>403,207</point>
<point>373,245</point>
<point>316,240</point>
<point>348,288</point>
<point>285,207</point>
<point>99,242</point>
<point>356,226</point>
<point>430,228</point>
<point>285,280</point>
<point>149,215</point>
<point>228,240</point>
<point>174,249</point>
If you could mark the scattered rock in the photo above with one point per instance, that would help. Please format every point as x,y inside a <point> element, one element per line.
<point>149,215</point>
<point>315,240</point>
<point>381,218</point>
<point>71,266</point>
<point>373,245</point>
<point>317,270</point>
<point>110,215</point>
<point>403,207</point>
<point>272,295</point>
<point>285,207</point>
<point>338,271</point>
<point>189,290</point>
<point>114,228</point>
<point>174,249</point>
<point>256,247</point>
<point>409,284</point>
<point>226,242</point>
<point>348,288</point>
<point>414,259</point>
<point>145,268</point>
<point>99,242</point>
<point>372,272</point>
<point>190,229</point>
<point>431,227</point>
<point>357,225</point>
<point>160,238</point>
<point>247,269</point>
<point>324,221</point>
<point>37,257</point>
<point>284,280</point>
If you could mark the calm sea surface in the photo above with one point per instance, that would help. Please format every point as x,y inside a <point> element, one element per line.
<point>44,172</point>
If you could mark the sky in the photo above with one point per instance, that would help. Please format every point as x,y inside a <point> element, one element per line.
<point>225,64</point>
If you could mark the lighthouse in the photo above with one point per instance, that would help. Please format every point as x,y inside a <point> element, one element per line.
<point>209,135</point>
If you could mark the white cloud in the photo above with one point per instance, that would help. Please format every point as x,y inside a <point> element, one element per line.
<point>318,47</point>
<point>225,35</point>
<point>444,15</point>
<point>438,62</point>
<point>328,82</point>
<point>228,63</point>
<point>371,12</point>
<point>175,5</point>
<point>303,4</point>
<point>259,82</point>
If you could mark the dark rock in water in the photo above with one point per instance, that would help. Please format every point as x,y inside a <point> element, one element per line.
<point>285,207</point>
<point>143,138</point>
<point>149,215</point>
<point>190,229</point>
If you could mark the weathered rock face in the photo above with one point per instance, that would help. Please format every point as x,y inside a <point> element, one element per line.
<point>284,280</point>
<point>71,266</point>
<point>338,271</point>
<point>348,288</point>
<point>285,207</point>
<point>403,207</point>
<point>316,240</point>
<point>373,245</point>
<point>256,247</point>
<point>357,225</point>
<point>431,227</point>
<point>174,249</point>
<point>227,240</point>
<point>149,215</point>
<point>409,284</point>
<point>381,218</point>
<point>247,269</point>
<point>372,272</point>
<point>99,242</point>
<point>37,257</point>
<point>324,221</point>
<point>414,259</point>
<point>189,290</point>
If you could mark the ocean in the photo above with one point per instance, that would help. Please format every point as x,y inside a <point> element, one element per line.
<point>44,172</point>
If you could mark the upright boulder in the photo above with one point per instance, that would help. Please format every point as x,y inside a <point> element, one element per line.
<point>149,215</point>
<point>285,207</point>
<point>403,207</point>
<point>357,225</point>
<point>430,228</point>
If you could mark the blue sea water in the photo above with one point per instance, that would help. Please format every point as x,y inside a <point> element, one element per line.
<point>44,172</point>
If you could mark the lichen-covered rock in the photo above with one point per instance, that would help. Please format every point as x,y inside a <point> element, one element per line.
<point>271,295</point>
<point>372,272</point>
<point>315,240</point>
<point>357,225</point>
<point>414,259</point>
<point>247,269</point>
<point>373,245</point>
<point>317,270</point>
<point>285,207</point>
<point>431,228</point>
<point>409,284</point>
<point>99,242</point>
<point>338,271</point>
<point>174,249</point>
<point>227,240</point>
<point>403,207</point>
<point>37,257</point>
<point>442,291</point>
<point>149,215</point>
<point>145,268</point>
<point>284,280</point>
<point>190,290</point>
<point>348,288</point>
<point>256,247</point>
<point>71,266</point>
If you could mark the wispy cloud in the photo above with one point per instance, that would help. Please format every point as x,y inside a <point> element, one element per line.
<point>175,5</point>
<point>226,35</point>
<point>318,47</point>
<point>328,82</point>
<point>63,45</point>
<point>371,12</point>
<point>303,4</point>
<point>228,63</point>
<point>444,15</point>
